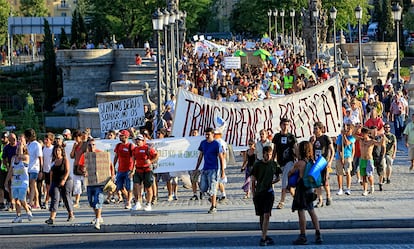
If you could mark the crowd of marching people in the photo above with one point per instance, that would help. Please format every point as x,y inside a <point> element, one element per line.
<point>36,174</point>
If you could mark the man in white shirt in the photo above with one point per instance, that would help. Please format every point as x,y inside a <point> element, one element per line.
<point>35,166</point>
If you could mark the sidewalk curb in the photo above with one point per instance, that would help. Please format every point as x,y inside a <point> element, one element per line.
<point>193,227</point>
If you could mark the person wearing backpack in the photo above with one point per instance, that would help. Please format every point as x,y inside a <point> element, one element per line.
<point>123,156</point>
<point>304,193</point>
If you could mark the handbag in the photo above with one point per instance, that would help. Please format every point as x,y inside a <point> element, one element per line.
<point>110,186</point>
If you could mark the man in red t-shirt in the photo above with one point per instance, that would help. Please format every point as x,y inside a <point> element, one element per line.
<point>375,121</point>
<point>144,156</point>
<point>123,155</point>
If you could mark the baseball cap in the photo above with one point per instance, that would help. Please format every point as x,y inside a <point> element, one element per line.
<point>66,132</point>
<point>124,133</point>
<point>348,109</point>
<point>140,137</point>
<point>58,136</point>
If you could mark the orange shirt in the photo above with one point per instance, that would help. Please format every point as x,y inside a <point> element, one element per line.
<point>141,154</point>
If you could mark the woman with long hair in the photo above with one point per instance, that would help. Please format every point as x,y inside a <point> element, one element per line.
<point>61,184</point>
<point>304,193</point>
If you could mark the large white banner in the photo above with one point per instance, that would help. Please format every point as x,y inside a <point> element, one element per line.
<point>175,154</point>
<point>245,119</point>
<point>121,114</point>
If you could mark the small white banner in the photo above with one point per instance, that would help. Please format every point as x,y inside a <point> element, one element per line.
<point>121,114</point>
<point>232,62</point>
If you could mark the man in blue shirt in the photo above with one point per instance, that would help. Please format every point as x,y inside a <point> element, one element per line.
<point>211,151</point>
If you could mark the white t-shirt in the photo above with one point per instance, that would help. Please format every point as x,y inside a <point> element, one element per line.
<point>35,151</point>
<point>47,158</point>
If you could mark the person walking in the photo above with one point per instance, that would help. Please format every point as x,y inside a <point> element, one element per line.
<point>19,175</point>
<point>61,185</point>
<point>390,151</point>
<point>345,150</point>
<point>35,166</point>
<point>323,146</point>
<point>284,144</point>
<point>304,191</point>
<point>262,178</point>
<point>212,152</point>
<point>409,140</point>
<point>78,149</point>
<point>249,158</point>
<point>143,156</point>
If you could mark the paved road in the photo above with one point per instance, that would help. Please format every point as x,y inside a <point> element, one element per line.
<point>391,208</point>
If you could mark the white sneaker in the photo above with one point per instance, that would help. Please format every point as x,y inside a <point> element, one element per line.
<point>148,207</point>
<point>29,216</point>
<point>348,192</point>
<point>365,193</point>
<point>100,220</point>
<point>97,225</point>
<point>372,190</point>
<point>18,219</point>
<point>340,192</point>
<point>137,206</point>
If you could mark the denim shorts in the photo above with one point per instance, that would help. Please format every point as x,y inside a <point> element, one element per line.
<point>19,193</point>
<point>33,175</point>
<point>95,196</point>
<point>123,180</point>
<point>209,181</point>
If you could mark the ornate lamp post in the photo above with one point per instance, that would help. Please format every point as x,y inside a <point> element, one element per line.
<point>315,14</point>
<point>396,11</point>
<point>292,15</point>
<point>166,17</point>
<point>358,15</point>
<point>157,25</point>
<point>269,14</point>
<point>275,15</point>
<point>171,21</point>
<point>282,14</point>
<point>333,13</point>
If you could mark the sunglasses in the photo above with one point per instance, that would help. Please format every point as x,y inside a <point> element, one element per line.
<point>92,145</point>
<point>387,127</point>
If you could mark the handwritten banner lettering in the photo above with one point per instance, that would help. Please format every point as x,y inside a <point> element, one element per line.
<point>245,119</point>
<point>121,114</point>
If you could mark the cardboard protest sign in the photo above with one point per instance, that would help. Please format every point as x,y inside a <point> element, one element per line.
<point>98,167</point>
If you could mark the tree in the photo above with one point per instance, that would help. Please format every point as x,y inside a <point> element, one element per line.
<point>33,8</point>
<point>64,42</point>
<point>28,115</point>
<point>386,26</point>
<point>4,15</point>
<point>49,69</point>
<point>78,29</point>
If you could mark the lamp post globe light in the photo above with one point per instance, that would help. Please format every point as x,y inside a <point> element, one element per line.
<point>292,15</point>
<point>315,14</point>
<point>269,14</point>
<point>358,15</point>
<point>396,11</point>
<point>157,25</point>
<point>282,14</point>
<point>275,15</point>
<point>333,13</point>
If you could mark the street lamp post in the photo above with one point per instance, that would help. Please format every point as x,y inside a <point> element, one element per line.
<point>172,50</point>
<point>333,13</point>
<point>275,15</point>
<point>177,35</point>
<point>358,15</point>
<point>166,17</point>
<point>292,15</point>
<point>269,14</point>
<point>157,25</point>
<point>315,13</point>
<point>396,11</point>
<point>282,14</point>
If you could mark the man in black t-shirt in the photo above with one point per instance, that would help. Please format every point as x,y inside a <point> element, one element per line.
<point>284,144</point>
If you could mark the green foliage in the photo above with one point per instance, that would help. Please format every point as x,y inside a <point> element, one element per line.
<point>49,68</point>
<point>4,14</point>
<point>33,8</point>
<point>64,42</point>
<point>409,21</point>
<point>78,29</point>
<point>28,115</point>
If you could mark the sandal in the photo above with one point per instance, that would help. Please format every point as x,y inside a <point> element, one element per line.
<point>280,205</point>
<point>319,204</point>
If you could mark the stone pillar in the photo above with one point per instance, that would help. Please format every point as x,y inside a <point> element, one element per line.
<point>410,88</point>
